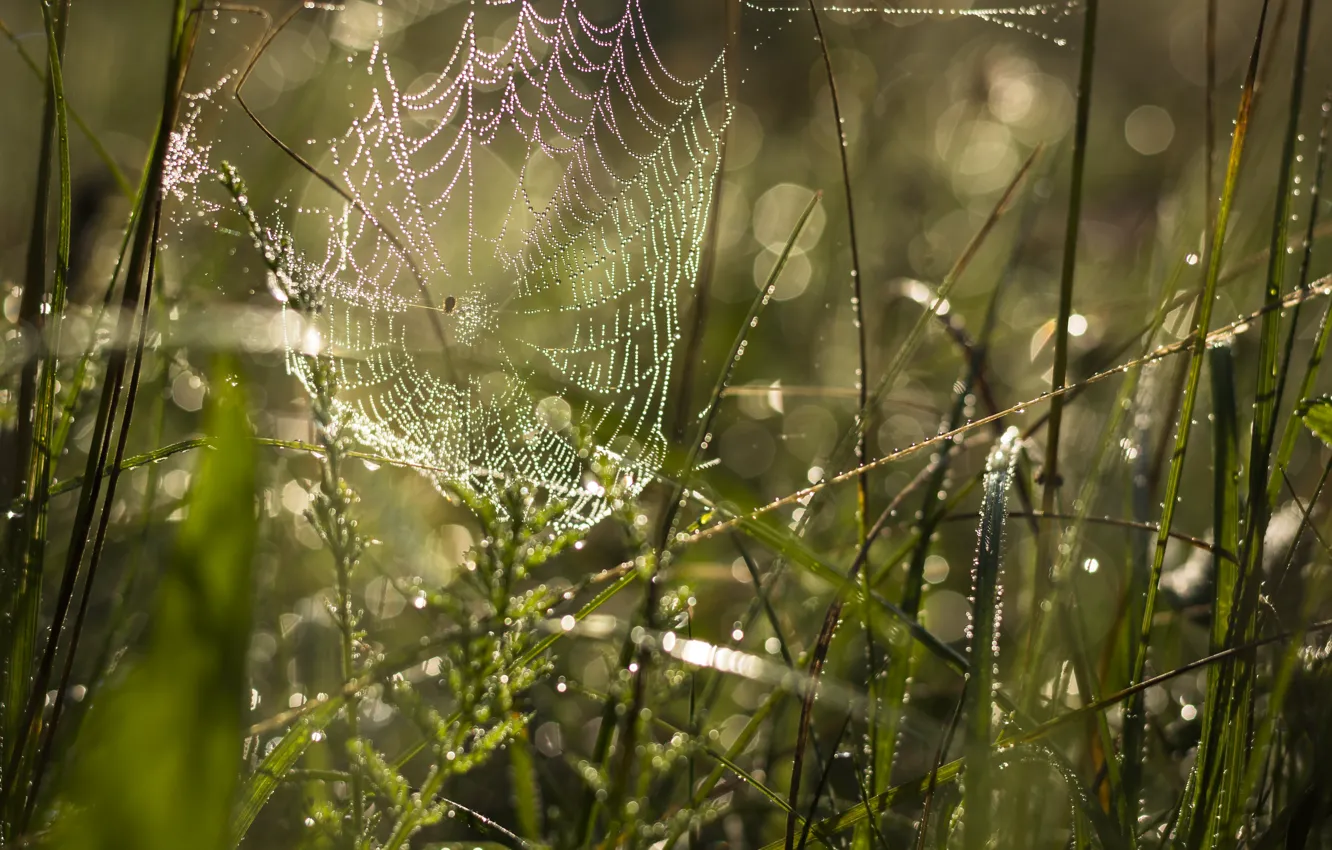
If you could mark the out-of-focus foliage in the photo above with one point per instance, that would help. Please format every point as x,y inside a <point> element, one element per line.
<point>157,757</point>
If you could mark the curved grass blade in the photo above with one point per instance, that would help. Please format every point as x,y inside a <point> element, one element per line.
<point>1225,574</point>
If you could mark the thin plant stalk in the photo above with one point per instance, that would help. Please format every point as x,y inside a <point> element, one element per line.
<point>1047,542</point>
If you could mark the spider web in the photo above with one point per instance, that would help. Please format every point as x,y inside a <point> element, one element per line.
<point>501,295</point>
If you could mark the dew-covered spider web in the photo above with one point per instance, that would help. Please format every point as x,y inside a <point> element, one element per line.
<point>501,278</point>
<point>553,190</point>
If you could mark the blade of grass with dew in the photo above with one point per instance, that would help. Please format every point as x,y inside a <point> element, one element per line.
<point>1276,695</point>
<point>1225,487</point>
<point>1134,717</point>
<point>27,544</point>
<point>932,783</point>
<point>1268,391</point>
<point>1225,576</point>
<point>176,714</point>
<point>260,784</point>
<point>1311,369</point>
<point>986,613</point>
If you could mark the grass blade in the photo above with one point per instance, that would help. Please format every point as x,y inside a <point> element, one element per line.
<point>1287,446</point>
<point>188,684</point>
<point>674,502</point>
<point>984,638</point>
<point>1225,573</point>
<point>259,786</point>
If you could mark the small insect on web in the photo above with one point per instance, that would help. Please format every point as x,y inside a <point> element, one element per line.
<point>542,199</point>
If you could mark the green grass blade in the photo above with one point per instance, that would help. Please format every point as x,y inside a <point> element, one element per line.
<point>1225,523</point>
<point>1268,391</point>
<point>259,786</point>
<point>1311,369</point>
<point>984,639</point>
<point>1225,486</point>
<point>1285,669</point>
<point>188,685</point>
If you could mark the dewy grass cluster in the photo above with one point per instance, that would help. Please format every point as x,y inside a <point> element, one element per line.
<point>430,542</point>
